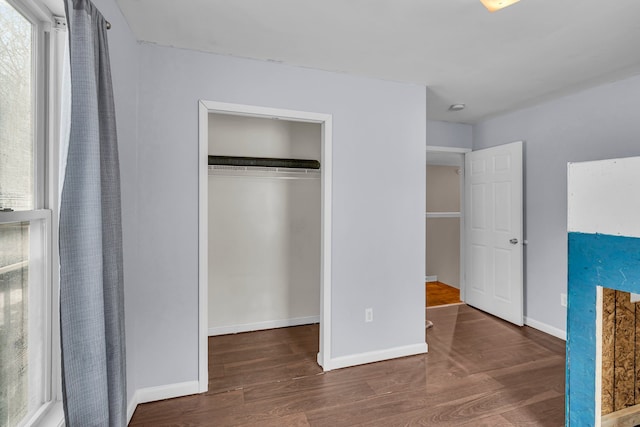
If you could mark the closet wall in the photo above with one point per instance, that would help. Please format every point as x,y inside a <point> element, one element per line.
<point>443,233</point>
<point>264,229</point>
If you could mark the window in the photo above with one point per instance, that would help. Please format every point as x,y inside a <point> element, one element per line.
<point>22,319</point>
<point>16,109</point>
<point>28,384</point>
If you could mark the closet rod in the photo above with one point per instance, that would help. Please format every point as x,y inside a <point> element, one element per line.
<point>264,162</point>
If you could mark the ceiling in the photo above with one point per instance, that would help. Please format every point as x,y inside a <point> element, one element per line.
<point>496,62</point>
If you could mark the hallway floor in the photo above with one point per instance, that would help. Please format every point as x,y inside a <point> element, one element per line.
<point>438,293</point>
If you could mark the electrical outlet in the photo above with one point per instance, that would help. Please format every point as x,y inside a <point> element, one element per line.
<point>563,300</point>
<point>368,314</point>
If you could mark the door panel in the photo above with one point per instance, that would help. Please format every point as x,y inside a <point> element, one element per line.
<point>502,206</point>
<point>477,204</point>
<point>502,261</point>
<point>494,234</point>
<point>478,268</point>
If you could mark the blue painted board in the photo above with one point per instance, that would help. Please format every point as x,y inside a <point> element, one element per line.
<point>594,260</point>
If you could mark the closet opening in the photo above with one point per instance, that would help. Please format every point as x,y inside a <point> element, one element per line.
<point>264,233</point>
<point>444,275</point>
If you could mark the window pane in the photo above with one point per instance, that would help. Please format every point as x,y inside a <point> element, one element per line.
<point>16,110</point>
<point>14,322</point>
<point>22,350</point>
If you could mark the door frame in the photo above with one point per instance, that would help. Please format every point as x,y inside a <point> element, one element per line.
<point>325,120</point>
<point>459,154</point>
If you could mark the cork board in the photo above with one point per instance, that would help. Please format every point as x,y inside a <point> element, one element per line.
<point>608,351</point>
<point>620,351</point>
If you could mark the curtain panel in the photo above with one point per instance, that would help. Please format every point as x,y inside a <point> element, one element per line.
<point>91,276</point>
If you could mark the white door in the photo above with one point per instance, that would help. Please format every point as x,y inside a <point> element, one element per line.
<point>493,231</point>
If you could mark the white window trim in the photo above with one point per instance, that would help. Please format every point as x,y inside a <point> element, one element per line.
<point>57,55</point>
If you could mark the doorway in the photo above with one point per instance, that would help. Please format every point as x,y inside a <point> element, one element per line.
<point>264,224</point>
<point>444,275</point>
<point>207,108</point>
<point>491,226</point>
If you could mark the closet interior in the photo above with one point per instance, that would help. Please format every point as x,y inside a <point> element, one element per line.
<point>443,223</point>
<point>264,223</point>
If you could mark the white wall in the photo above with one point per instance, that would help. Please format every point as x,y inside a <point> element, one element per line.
<point>599,201</point>
<point>594,124</point>
<point>264,231</point>
<point>443,188</point>
<point>123,51</point>
<point>448,134</point>
<point>264,253</point>
<point>378,200</point>
<point>259,137</point>
<point>443,250</point>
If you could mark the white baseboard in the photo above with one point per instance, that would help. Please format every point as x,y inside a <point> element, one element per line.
<point>131,407</point>
<point>374,356</point>
<point>547,329</point>
<point>430,278</point>
<point>152,394</point>
<point>259,326</point>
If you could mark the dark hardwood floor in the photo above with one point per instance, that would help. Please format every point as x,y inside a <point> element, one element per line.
<point>480,371</point>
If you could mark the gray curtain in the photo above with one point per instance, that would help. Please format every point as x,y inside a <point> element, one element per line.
<point>91,279</point>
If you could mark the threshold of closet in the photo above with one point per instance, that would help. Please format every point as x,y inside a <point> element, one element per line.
<point>264,172</point>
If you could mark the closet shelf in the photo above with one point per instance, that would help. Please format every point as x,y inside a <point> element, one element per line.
<point>443,215</point>
<point>264,172</point>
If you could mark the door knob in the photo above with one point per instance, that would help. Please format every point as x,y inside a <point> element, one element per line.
<point>513,241</point>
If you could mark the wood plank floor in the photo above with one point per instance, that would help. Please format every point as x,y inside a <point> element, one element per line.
<point>480,371</point>
<point>438,293</point>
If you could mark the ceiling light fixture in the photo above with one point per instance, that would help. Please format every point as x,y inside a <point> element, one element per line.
<point>493,5</point>
<point>456,107</point>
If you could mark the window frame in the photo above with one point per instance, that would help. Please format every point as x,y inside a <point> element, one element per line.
<point>48,56</point>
